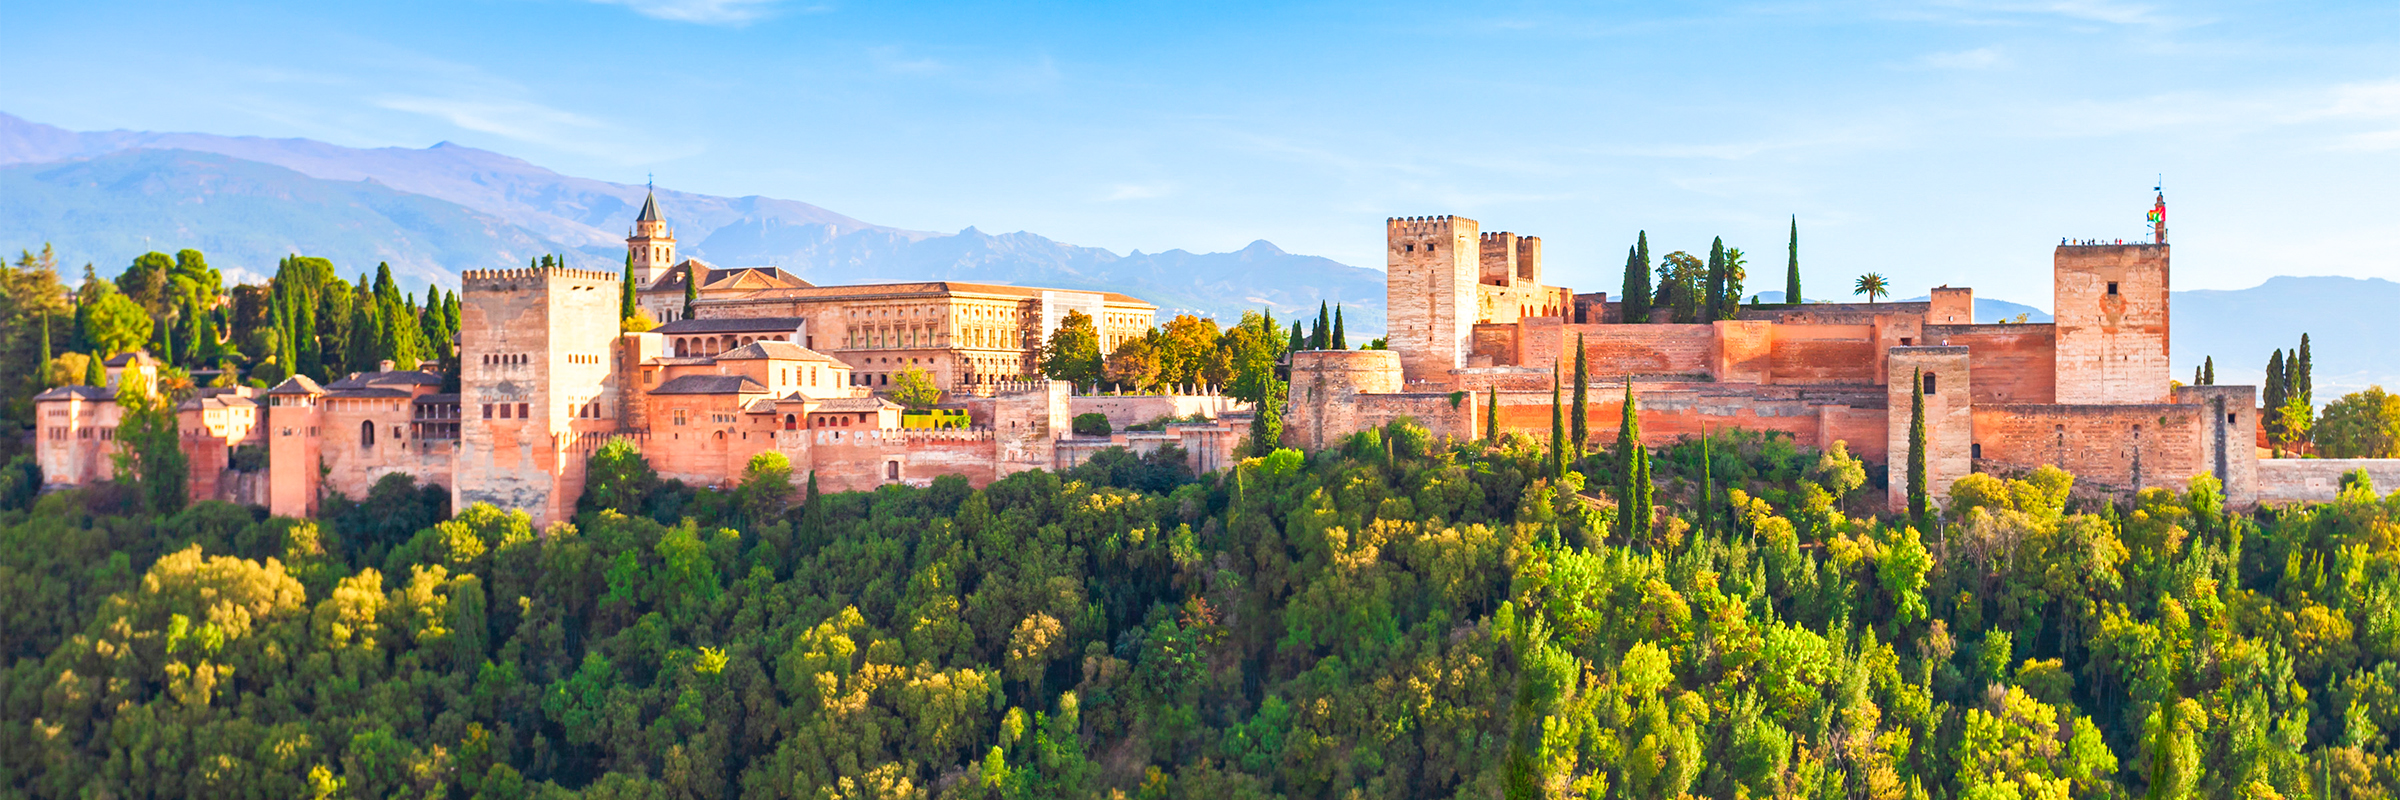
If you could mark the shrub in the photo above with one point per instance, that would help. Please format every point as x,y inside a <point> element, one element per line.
<point>1093,424</point>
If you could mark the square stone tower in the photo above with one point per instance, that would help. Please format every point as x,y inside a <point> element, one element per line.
<point>2112,323</point>
<point>1949,419</point>
<point>538,385</point>
<point>1433,265</point>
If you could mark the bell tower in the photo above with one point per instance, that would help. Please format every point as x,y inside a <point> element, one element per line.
<point>651,246</point>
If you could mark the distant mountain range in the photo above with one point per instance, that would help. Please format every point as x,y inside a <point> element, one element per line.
<point>106,197</point>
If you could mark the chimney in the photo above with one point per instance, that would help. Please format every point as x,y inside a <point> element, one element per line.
<point>384,365</point>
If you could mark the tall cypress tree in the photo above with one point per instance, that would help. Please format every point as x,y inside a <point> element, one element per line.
<point>1708,488</point>
<point>1716,282</point>
<point>1322,335</point>
<point>1791,272</point>
<point>2303,377</point>
<point>2277,387</point>
<point>304,336</point>
<point>1491,416</point>
<point>1583,378</point>
<point>2208,371</point>
<point>1340,341</point>
<point>1298,343</point>
<point>625,301</point>
<point>691,287</point>
<point>1558,432</point>
<point>44,378</point>
<point>1634,307</point>
<point>95,373</point>
<point>1920,502</point>
<point>1633,473</point>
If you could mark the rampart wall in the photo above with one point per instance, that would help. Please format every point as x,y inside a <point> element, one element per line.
<point>1825,353</point>
<point>2012,363</point>
<point>2113,447</point>
<point>1125,410</point>
<point>2318,480</point>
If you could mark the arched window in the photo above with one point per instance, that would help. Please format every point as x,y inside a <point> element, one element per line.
<point>720,436</point>
<point>366,434</point>
<point>790,422</point>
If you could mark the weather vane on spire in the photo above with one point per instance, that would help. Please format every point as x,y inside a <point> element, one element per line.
<point>2158,212</point>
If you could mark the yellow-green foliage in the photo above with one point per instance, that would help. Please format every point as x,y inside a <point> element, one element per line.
<point>1379,621</point>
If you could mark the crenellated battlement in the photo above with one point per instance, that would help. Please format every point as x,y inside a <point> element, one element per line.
<point>526,273</point>
<point>1419,226</point>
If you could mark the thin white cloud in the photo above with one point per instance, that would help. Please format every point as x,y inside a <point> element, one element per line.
<point>1978,58</point>
<point>703,12</point>
<point>892,60</point>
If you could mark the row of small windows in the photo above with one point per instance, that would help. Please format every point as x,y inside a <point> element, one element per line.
<point>506,359</point>
<point>524,410</point>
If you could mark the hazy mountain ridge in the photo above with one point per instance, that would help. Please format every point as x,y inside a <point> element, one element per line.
<point>520,209</point>
<point>2353,339</point>
<point>245,215</point>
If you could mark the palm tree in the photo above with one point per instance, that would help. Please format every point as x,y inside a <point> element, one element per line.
<point>1872,285</point>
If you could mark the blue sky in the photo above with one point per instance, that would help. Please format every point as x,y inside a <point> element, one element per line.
<point>1942,142</point>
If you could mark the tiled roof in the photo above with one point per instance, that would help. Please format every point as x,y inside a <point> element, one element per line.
<point>297,384</point>
<point>783,350</point>
<point>732,325</point>
<point>856,404</point>
<point>85,392</point>
<point>714,278</point>
<point>711,384</point>
<point>218,401</point>
<point>438,398</point>
<point>132,356</point>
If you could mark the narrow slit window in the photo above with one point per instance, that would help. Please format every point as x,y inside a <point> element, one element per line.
<point>1930,385</point>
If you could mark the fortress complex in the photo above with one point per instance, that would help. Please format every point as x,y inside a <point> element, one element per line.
<point>767,364</point>
<point>963,334</point>
<point>2090,392</point>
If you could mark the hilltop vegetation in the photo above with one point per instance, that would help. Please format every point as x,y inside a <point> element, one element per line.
<point>1394,619</point>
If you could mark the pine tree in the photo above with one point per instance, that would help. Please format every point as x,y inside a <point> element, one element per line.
<point>1716,281</point>
<point>625,299</point>
<point>1920,502</point>
<point>1791,272</point>
<point>691,288</point>
<point>1491,416</point>
<point>1340,341</point>
<point>1583,379</point>
<point>1558,432</point>
<point>1633,475</point>
<point>2303,377</point>
<point>1634,307</point>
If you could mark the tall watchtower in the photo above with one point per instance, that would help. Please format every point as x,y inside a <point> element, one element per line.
<point>538,385</point>
<point>651,244</point>
<point>1430,293</point>
<point>2112,323</point>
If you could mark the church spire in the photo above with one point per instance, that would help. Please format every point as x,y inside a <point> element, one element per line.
<point>650,251</point>
<point>650,209</point>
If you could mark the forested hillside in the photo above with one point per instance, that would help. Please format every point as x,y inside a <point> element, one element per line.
<point>1396,619</point>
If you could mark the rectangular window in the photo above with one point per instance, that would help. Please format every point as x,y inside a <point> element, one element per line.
<point>487,411</point>
<point>521,412</point>
<point>2112,287</point>
<point>504,411</point>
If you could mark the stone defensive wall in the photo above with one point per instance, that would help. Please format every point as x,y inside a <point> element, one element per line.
<point>2119,448</point>
<point>1338,392</point>
<point>1126,410</point>
<point>2012,363</point>
<point>1670,412</point>
<point>2318,480</point>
